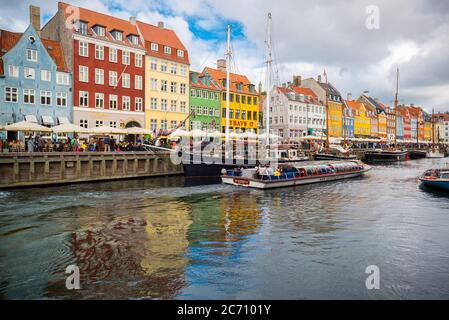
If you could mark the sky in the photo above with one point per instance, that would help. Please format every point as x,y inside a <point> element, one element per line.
<point>360,43</point>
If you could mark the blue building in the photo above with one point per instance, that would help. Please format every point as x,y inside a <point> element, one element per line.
<point>399,127</point>
<point>35,84</point>
<point>348,123</point>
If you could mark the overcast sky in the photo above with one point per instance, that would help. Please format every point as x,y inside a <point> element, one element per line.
<point>308,37</point>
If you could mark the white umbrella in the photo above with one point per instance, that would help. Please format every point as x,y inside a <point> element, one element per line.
<point>69,128</point>
<point>137,130</point>
<point>107,130</point>
<point>180,133</point>
<point>249,135</point>
<point>215,134</point>
<point>198,133</point>
<point>26,126</point>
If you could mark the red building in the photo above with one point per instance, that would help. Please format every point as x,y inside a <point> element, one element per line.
<point>107,58</point>
<point>407,122</point>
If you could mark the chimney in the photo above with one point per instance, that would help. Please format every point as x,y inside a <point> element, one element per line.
<point>260,87</point>
<point>366,93</point>
<point>35,18</point>
<point>319,78</point>
<point>349,98</point>
<point>133,20</point>
<point>297,81</point>
<point>221,65</point>
<point>160,25</point>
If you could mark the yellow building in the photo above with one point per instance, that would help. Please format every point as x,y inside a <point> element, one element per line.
<point>335,119</point>
<point>362,123</point>
<point>243,100</point>
<point>382,118</point>
<point>166,78</point>
<point>428,131</point>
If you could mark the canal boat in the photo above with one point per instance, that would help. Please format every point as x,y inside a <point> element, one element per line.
<point>436,178</point>
<point>385,156</point>
<point>416,154</point>
<point>294,175</point>
<point>334,157</point>
<point>435,154</point>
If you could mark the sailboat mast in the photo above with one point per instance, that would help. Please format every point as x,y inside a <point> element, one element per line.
<point>269,63</point>
<point>396,101</point>
<point>327,112</point>
<point>433,131</point>
<point>228,70</point>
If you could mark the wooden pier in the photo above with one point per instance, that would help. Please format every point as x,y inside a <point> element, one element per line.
<point>37,169</point>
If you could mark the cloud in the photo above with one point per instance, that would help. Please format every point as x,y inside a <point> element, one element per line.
<point>308,37</point>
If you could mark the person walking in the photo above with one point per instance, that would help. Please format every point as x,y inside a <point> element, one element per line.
<point>107,144</point>
<point>30,143</point>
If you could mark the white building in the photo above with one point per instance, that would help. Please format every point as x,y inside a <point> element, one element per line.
<point>295,112</point>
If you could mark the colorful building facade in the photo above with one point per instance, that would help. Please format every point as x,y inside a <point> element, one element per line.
<point>204,103</point>
<point>362,123</point>
<point>35,84</point>
<point>243,100</point>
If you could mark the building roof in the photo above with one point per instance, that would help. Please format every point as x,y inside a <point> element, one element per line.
<point>8,40</point>
<point>111,23</point>
<point>331,89</point>
<point>354,105</point>
<point>442,116</point>
<point>299,90</point>
<point>163,37</point>
<point>218,76</point>
<point>201,83</point>
<point>379,106</point>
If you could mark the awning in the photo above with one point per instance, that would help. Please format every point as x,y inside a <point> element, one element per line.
<point>63,120</point>
<point>48,121</point>
<point>31,118</point>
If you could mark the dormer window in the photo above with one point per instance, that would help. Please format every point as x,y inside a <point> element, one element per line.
<point>82,27</point>
<point>133,39</point>
<point>100,31</point>
<point>181,53</point>
<point>167,50</point>
<point>154,47</point>
<point>118,35</point>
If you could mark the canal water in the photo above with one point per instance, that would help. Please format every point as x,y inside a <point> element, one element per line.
<point>173,238</point>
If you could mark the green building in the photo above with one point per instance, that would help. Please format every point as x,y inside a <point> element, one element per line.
<point>204,102</point>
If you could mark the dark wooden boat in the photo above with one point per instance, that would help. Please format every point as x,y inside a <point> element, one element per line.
<point>416,154</point>
<point>330,156</point>
<point>385,156</point>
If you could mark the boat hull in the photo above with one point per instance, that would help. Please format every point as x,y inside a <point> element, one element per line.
<point>259,184</point>
<point>320,157</point>
<point>434,155</point>
<point>435,184</point>
<point>385,156</point>
<point>416,154</point>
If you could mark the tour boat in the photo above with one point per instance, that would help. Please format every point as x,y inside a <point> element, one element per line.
<point>334,157</point>
<point>436,178</point>
<point>294,175</point>
<point>434,154</point>
<point>385,156</point>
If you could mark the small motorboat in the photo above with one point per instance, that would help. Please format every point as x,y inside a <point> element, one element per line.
<point>385,156</point>
<point>436,178</point>
<point>294,175</point>
<point>417,154</point>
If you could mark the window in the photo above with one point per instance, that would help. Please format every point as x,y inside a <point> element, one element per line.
<point>183,70</point>
<point>164,85</point>
<point>126,80</point>
<point>244,101</point>
<point>29,73</point>
<point>167,50</point>
<point>164,66</point>
<point>199,94</point>
<point>174,68</point>
<point>192,92</point>
<point>61,99</point>
<point>62,78</point>
<point>13,71</point>
<point>164,104</point>
<point>82,27</point>
<point>153,104</point>
<point>173,87</point>
<point>182,88</point>
<point>83,49</point>
<point>98,123</point>
<point>113,124</point>
<point>183,106</point>
<point>139,60</point>
<point>99,52</point>
<point>118,35</point>
<point>153,65</point>
<point>126,58</point>
<point>153,124</point>
<point>113,78</point>
<point>126,103</point>
<point>99,76</point>
<point>180,53</point>
<point>154,47</point>
<point>173,106</point>
<point>32,55</point>
<point>254,101</point>
<point>138,82</point>
<point>134,40</point>
<point>138,104</point>
<point>100,31</point>
<point>83,123</point>
<point>84,99</point>
<point>164,124</point>
<point>113,102</point>
<point>99,100</point>
<point>45,98</point>
<point>113,55</point>
<point>153,84</point>
<point>84,74</point>
<point>173,124</point>
<point>11,94</point>
<point>237,98</point>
